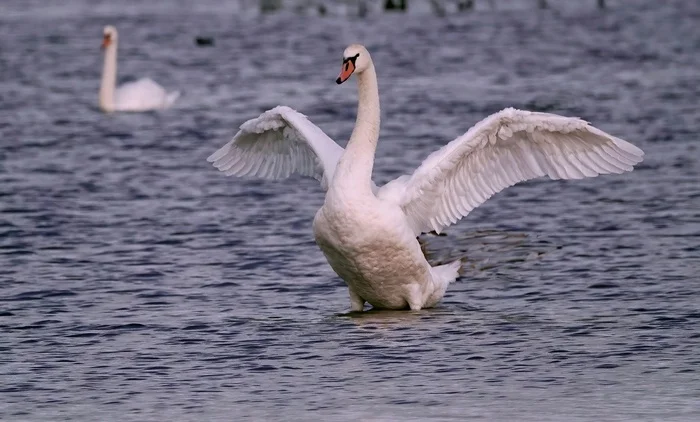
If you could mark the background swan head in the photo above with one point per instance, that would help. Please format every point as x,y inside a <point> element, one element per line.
<point>356,59</point>
<point>110,36</point>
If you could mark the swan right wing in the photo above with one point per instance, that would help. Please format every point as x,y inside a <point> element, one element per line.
<point>276,144</point>
<point>505,148</point>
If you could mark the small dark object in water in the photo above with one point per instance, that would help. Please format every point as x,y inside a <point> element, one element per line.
<point>438,8</point>
<point>399,5</point>
<point>463,5</point>
<point>269,6</point>
<point>204,41</point>
<point>361,9</point>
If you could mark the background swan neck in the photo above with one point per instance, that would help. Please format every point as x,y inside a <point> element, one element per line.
<point>358,160</point>
<point>109,78</point>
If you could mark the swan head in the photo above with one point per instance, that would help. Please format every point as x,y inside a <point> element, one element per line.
<point>356,59</point>
<point>110,36</point>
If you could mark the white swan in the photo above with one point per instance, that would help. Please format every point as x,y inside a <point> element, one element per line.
<point>368,234</point>
<point>140,95</point>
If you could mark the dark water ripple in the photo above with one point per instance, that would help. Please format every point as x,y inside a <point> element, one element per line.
<point>139,284</point>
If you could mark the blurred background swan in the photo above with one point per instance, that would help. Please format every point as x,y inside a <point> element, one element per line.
<point>141,95</point>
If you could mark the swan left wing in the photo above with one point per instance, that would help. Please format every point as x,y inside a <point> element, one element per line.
<point>278,143</point>
<point>507,147</point>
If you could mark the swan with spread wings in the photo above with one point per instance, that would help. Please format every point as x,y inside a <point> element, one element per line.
<point>368,233</point>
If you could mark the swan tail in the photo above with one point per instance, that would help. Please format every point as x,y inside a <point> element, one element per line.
<point>443,275</point>
<point>171,97</point>
<point>447,273</point>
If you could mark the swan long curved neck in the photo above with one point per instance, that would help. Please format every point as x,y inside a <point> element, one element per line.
<point>109,78</point>
<point>356,164</point>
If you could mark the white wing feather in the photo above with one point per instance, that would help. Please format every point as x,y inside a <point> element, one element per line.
<point>505,148</point>
<point>276,144</point>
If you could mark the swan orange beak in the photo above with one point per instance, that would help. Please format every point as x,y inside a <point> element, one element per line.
<point>346,70</point>
<point>106,41</point>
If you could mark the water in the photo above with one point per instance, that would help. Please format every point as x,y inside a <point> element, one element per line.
<point>140,284</point>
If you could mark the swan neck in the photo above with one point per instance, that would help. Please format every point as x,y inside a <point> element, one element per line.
<point>109,78</point>
<point>357,162</point>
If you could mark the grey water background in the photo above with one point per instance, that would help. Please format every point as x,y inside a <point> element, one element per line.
<point>139,284</point>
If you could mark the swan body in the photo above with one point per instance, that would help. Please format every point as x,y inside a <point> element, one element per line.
<point>141,95</point>
<point>367,233</point>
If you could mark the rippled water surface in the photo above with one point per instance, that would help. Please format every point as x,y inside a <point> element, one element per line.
<point>139,284</point>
